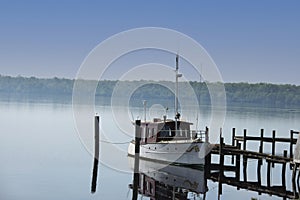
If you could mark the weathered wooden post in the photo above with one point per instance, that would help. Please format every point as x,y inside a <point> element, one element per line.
<point>207,156</point>
<point>137,144</point>
<point>273,146</point>
<point>221,163</point>
<point>261,149</point>
<point>291,143</point>
<point>96,155</point>
<point>206,134</point>
<point>284,169</point>
<point>238,163</point>
<point>245,140</point>
<point>291,146</point>
<point>269,174</point>
<point>245,167</point>
<point>233,143</point>
<point>136,159</point>
<point>294,178</point>
<point>207,163</point>
<point>244,156</point>
<point>259,164</point>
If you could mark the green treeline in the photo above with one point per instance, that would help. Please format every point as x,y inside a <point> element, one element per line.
<point>240,94</point>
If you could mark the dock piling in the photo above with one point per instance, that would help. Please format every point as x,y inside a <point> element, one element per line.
<point>238,163</point>
<point>136,159</point>
<point>206,134</point>
<point>268,174</point>
<point>261,141</point>
<point>283,169</point>
<point>291,143</point>
<point>273,146</point>
<point>233,144</point>
<point>294,178</point>
<point>245,140</point>
<point>96,155</point>
<point>221,162</point>
<point>244,156</point>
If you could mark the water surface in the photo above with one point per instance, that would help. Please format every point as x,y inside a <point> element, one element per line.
<point>42,156</point>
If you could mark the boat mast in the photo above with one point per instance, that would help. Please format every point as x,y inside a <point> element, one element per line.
<point>177,115</point>
<point>145,109</point>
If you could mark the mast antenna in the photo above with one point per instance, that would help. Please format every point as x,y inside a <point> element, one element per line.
<point>145,109</point>
<point>177,115</point>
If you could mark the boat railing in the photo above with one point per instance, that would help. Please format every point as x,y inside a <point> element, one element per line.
<point>195,135</point>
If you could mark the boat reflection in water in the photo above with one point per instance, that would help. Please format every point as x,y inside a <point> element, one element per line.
<point>159,181</point>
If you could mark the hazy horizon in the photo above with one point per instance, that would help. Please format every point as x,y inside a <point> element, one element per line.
<point>4,75</point>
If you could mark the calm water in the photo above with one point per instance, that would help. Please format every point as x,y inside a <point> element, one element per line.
<point>42,156</point>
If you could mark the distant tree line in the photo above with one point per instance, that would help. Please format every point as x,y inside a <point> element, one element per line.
<point>240,94</point>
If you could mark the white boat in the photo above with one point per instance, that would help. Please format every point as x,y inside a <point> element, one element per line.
<point>171,141</point>
<point>160,142</point>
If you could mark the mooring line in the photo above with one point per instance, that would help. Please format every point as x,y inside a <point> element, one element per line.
<point>108,142</point>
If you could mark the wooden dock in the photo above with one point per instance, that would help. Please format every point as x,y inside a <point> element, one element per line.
<point>238,149</point>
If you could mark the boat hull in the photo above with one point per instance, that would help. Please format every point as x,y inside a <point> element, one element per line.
<point>183,153</point>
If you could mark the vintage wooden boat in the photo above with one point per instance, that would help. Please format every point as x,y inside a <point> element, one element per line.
<point>161,142</point>
<point>171,141</point>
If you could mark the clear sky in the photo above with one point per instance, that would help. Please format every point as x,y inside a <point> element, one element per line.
<point>250,41</point>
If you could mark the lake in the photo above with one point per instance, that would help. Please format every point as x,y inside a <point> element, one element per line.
<point>43,156</point>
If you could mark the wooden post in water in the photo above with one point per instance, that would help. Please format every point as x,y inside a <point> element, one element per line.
<point>136,159</point>
<point>207,157</point>
<point>294,178</point>
<point>244,156</point>
<point>259,173</point>
<point>291,143</point>
<point>261,148</point>
<point>96,155</point>
<point>260,151</point>
<point>245,167</point>
<point>233,144</point>
<point>206,134</point>
<point>238,164</point>
<point>269,174</point>
<point>284,169</point>
<point>245,140</point>
<point>221,163</point>
<point>291,146</point>
<point>137,145</point>
<point>273,146</point>
<point>259,164</point>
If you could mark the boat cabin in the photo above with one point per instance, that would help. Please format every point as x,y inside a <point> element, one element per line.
<point>164,130</point>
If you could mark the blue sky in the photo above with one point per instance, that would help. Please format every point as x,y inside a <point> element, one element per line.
<point>250,41</point>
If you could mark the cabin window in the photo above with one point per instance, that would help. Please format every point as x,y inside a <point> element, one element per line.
<point>148,186</point>
<point>147,132</point>
<point>143,132</point>
<point>152,132</point>
<point>164,132</point>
